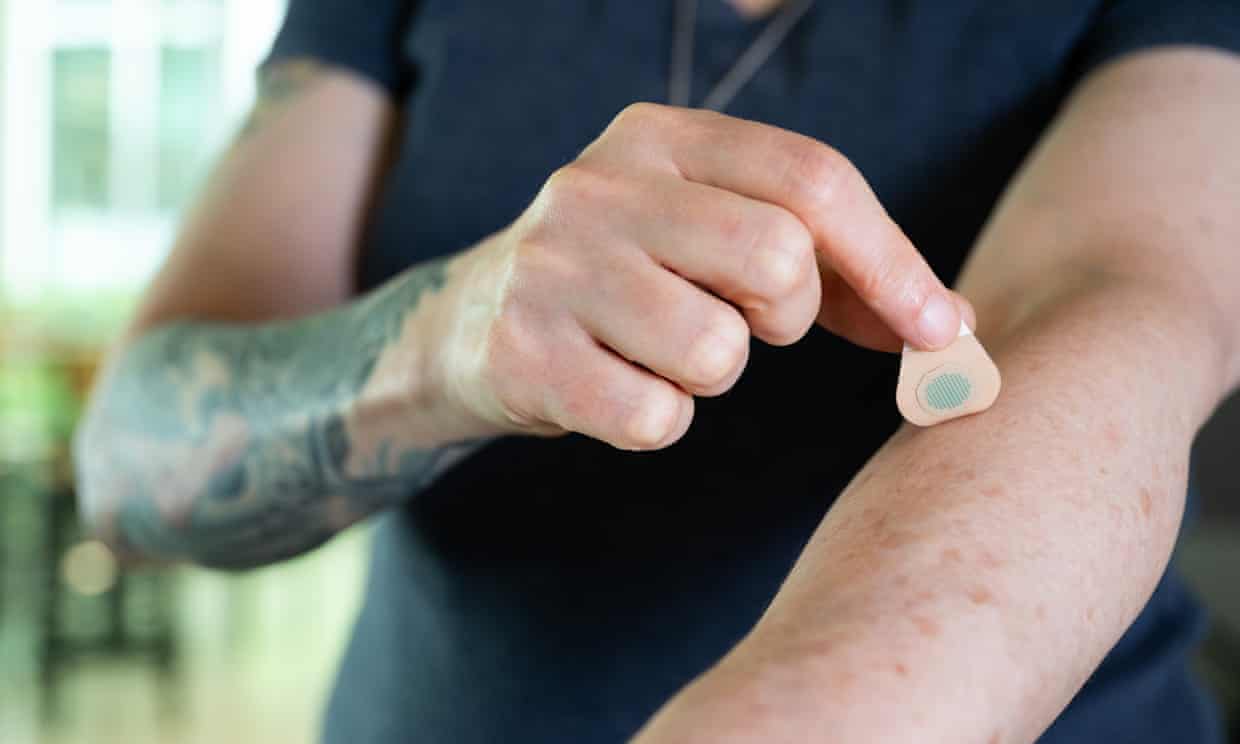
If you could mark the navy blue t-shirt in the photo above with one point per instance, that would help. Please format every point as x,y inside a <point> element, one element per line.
<point>559,590</point>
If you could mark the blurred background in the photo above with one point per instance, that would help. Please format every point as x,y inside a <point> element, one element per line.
<point>111,112</point>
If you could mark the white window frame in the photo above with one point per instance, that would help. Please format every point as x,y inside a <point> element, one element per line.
<point>118,247</point>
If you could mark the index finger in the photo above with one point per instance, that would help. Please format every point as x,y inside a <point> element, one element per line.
<point>850,227</point>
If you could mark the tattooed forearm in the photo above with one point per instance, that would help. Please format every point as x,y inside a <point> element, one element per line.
<point>232,446</point>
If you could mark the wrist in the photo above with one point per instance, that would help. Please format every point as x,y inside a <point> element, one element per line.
<point>457,346</point>
<point>453,337</point>
<point>415,390</point>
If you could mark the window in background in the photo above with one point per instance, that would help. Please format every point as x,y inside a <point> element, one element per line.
<point>187,86</point>
<point>80,128</point>
<point>113,112</point>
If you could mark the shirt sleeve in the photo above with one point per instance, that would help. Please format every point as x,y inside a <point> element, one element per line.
<point>1126,26</point>
<point>366,38</point>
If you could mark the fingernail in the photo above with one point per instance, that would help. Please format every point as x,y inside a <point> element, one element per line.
<point>938,323</point>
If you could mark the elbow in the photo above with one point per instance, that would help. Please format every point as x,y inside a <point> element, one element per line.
<point>1166,313</point>
<point>103,486</point>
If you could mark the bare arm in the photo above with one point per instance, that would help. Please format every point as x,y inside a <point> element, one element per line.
<point>973,575</point>
<point>234,426</point>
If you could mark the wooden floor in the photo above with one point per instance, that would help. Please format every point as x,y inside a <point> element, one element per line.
<point>257,654</point>
<point>124,703</point>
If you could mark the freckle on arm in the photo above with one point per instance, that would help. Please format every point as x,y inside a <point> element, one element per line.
<point>980,595</point>
<point>926,626</point>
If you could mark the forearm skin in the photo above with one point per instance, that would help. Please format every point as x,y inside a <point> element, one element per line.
<point>971,577</point>
<point>235,446</point>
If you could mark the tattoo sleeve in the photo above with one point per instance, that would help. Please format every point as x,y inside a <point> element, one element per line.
<point>232,446</point>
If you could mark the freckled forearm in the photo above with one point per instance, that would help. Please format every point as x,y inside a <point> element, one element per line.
<point>973,575</point>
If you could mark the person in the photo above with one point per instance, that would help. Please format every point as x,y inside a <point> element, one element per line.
<point>609,367</point>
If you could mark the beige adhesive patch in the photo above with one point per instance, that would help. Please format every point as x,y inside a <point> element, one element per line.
<point>938,386</point>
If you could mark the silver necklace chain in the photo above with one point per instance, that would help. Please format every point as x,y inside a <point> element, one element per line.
<point>680,80</point>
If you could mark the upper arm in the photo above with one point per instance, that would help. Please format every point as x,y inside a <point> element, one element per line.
<point>1139,178</point>
<point>277,230</point>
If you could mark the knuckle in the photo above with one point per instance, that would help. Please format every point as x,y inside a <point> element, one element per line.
<point>549,225</point>
<point>788,321</point>
<point>578,188</point>
<point>563,187</point>
<point>819,174</point>
<point>719,350</point>
<point>640,115</point>
<point>782,258</point>
<point>653,418</point>
<point>635,126</point>
<point>788,328</point>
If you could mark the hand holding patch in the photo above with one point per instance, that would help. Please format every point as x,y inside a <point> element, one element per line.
<point>938,386</point>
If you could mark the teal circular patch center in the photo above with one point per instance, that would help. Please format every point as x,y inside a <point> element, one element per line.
<point>948,391</point>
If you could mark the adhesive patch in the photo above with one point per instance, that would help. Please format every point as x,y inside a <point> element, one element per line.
<point>937,386</point>
<point>948,390</point>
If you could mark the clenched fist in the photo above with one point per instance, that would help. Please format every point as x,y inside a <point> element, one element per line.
<point>638,274</point>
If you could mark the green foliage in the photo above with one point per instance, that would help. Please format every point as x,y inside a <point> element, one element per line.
<point>46,345</point>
